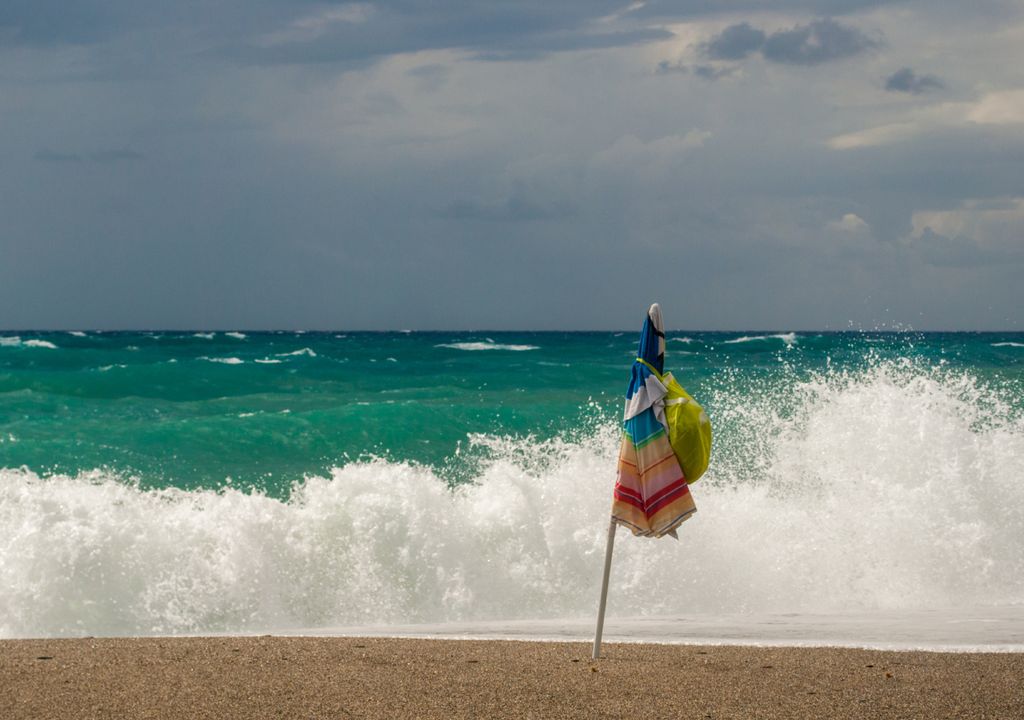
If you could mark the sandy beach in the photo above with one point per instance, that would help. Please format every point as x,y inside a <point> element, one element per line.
<point>296,677</point>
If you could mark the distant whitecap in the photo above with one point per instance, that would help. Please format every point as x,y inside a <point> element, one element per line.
<point>224,360</point>
<point>304,351</point>
<point>16,341</point>
<point>487,346</point>
<point>236,335</point>
<point>788,338</point>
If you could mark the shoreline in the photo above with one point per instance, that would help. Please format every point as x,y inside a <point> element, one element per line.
<point>375,677</point>
<point>962,629</point>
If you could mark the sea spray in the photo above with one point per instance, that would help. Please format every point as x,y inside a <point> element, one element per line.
<point>892,487</point>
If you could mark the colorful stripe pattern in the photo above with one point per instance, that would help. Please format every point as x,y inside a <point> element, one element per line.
<point>651,494</point>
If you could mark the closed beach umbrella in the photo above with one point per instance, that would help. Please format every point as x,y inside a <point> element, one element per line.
<point>651,496</point>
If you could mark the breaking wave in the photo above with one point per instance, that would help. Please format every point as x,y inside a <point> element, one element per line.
<point>15,341</point>
<point>892,487</point>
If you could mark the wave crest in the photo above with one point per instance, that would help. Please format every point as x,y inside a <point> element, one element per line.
<point>895,487</point>
<point>489,345</point>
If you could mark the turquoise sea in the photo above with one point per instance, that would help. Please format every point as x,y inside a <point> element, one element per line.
<point>169,482</point>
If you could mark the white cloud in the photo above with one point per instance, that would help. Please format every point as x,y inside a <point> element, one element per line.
<point>996,108</point>
<point>619,14</point>
<point>999,108</point>
<point>849,222</point>
<point>316,24</point>
<point>881,135</point>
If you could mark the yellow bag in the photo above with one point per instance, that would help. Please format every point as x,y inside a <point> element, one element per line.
<point>689,429</point>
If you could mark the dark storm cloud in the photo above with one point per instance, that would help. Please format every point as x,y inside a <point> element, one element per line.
<point>711,72</point>
<point>705,72</point>
<point>820,41</point>
<point>670,68</point>
<point>817,42</point>
<point>278,31</point>
<point>735,42</point>
<point>907,81</point>
<point>517,31</point>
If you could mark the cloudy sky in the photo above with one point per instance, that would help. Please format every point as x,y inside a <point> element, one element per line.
<point>511,164</point>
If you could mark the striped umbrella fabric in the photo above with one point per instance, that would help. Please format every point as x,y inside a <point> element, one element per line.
<point>651,495</point>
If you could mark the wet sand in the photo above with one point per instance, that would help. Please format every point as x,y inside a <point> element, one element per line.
<point>318,677</point>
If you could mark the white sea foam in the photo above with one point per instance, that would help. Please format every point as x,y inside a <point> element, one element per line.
<point>76,333</point>
<point>489,345</point>
<point>224,360</point>
<point>308,352</point>
<point>893,489</point>
<point>205,336</point>
<point>16,341</point>
<point>788,338</point>
<point>1007,344</point>
<point>269,361</point>
<point>682,339</point>
<point>236,335</point>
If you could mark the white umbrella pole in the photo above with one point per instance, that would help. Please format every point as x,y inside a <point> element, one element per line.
<point>604,588</point>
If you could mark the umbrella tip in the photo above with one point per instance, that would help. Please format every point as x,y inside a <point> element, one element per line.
<point>654,313</point>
